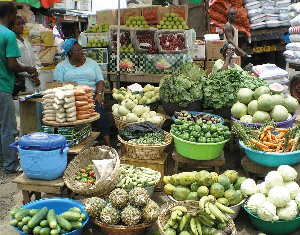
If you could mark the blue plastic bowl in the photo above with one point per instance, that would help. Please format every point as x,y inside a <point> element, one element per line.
<point>271,159</point>
<point>285,124</point>
<point>195,112</point>
<point>60,205</point>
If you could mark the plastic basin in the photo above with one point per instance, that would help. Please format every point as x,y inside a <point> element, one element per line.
<point>149,190</point>
<point>60,205</point>
<point>271,159</point>
<point>170,108</point>
<point>198,151</point>
<point>195,112</point>
<point>285,124</point>
<point>279,227</point>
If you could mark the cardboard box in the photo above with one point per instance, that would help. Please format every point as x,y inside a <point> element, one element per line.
<point>199,50</point>
<point>126,13</point>
<point>129,63</point>
<point>213,49</point>
<point>236,60</point>
<point>107,16</point>
<point>181,10</point>
<point>209,64</point>
<point>152,14</point>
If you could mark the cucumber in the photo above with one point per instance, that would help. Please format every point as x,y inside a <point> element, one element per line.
<point>14,222</point>
<point>76,209</point>
<point>26,229</point>
<point>14,211</point>
<point>63,223</point>
<point>52,219</point>
<point>44,223</point>
<point>20,224</point>
<point>36,230</point>
<point>76,224</point>
<point>71,215</point>
<point>32,212</point>
<point>63,231</point>
<point>21,214</point>
<point>38,217</point>
<point>45,231</point>
<point>26,219</point>
<point>55,231</point>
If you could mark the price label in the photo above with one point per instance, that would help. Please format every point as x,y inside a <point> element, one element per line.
<point>264,49</point>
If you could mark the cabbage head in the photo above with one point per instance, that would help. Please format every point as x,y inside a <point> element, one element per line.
<point>254,202</point>
<point>279,196</point>
<point>183,81</point>
<point>249,187</point>
<point>263,189</point>
<point>196,91</point>
<point>273,178</point>
<point>293,188</point>
<point>297,200</point>
<point>288,173</point>
<point>287,212</point>
<point>267,211</point>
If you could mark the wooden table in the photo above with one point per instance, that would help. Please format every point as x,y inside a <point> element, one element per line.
<point>183,162</point>
<point>87,143</point>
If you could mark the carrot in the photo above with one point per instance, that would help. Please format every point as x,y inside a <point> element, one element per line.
<point>281,130</point>
<point>281,135</point>
<point>295,144</point>
<point>289,147</point>
<point>279,146</point>
<point>260,145</point>
<point>268,128</point>
<point>269,144</point>
<point>265,138</point>
<point>269,134</point>
<point>279,151</point>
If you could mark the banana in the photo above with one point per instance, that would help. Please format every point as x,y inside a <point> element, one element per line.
<point>204,220</point>
<point>175,226</point>
<point>198,226</point>
<point>202,202</point>
<point>184,220</point>
<point>215,212</point>
<point>210,216</point>
<point>193,226</point>
<point>173,215</point>
<point>179,208</point>
<point>221,213</point>
<point>223,208</point>
<point>207,211</point>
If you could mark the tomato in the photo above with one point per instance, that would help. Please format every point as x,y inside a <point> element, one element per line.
<point>82,170</point>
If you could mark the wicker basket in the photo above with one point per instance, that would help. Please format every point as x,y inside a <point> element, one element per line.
<point>138,229</point>
<point>81,161</point>
<point>144,151</point>
<point>192,207</point>
<point>121,124</point>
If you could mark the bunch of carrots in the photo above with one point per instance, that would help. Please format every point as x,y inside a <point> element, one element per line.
<point>269,142</point>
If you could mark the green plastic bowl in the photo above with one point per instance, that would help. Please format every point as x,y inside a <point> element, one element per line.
<point>280,227</point>
<point>198,151</point>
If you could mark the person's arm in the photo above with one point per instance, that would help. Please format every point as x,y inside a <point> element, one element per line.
<point>99,93</point>
<point>228,57</point>
<point>229,35</point>
<point>58,73</point>
<point>14,65</point>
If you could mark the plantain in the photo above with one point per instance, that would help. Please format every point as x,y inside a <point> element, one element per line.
<point>198,226</point>
<point>224,208</point>
<point>193,226</point>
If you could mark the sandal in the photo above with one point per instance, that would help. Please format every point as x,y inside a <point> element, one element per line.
<point>16,169</point>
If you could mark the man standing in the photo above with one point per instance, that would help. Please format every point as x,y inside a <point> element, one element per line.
<point>9,52</point>
<point>231,32</point>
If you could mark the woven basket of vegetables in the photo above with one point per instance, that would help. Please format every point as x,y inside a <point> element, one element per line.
<point>109,178</point>
<point>146,151</point>
<point>183,216</point>
<point>120,124</point>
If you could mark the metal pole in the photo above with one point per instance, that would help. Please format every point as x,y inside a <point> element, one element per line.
<point>118,47</point>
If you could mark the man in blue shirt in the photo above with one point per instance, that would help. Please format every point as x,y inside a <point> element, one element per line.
<point>9,52</point>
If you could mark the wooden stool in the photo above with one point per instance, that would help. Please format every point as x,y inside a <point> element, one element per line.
<point>181,161</point>
<point>35,186</point>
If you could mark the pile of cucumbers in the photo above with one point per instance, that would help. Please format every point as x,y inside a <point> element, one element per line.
<point>46,222</point>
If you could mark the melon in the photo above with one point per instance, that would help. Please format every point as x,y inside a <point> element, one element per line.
<point>278,99</point>
<point>260,91</point>
<point>245,95</point>
<point>265,102</point>
<point>279,113</point>
<point>261,117</point>
<point>276,88</point>
<point>252,107</point>
<point>247,119</point>
<point>238,110</point>
<point>291,104</point>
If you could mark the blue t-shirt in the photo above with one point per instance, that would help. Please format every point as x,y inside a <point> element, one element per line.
<point>8,48</point>
<point>87,74</point>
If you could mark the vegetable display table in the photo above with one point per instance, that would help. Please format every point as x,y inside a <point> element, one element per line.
<point>182,162</point>
<point>36,187</point>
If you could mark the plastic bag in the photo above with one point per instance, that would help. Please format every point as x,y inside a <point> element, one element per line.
<point>134,131</point>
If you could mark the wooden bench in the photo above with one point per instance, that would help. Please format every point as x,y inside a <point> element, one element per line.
<point>183,162</point>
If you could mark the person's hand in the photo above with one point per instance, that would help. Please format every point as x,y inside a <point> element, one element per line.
<point>30,70</point>
<point>229,54</point>
<point>98,98</point>
<point>36,81</point>
<point>244,54</point>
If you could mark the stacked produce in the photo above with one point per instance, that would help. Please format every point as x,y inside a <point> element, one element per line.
<point>136,22</point>
<point>84,102</point>
<point>124,38</point>
<point>185,115</point>
<point>183,87</point>
<point>209,218</point>
<point>97,42</point>
<point>276,198</point>
<point>103,27</point>
<point>220,88</point>
<point>200,132</point>
<point>132,176</point>
<point>123,208</point>
<point>45,221</point>
<point>170,42</point>
<point>126,49</point>
<point>87,175</point>
<point>196,185</point>
<point>172,21</point>
<point>262,105</point>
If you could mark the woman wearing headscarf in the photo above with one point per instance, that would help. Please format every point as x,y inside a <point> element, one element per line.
<point>84,71</point>
<point>228,51</point>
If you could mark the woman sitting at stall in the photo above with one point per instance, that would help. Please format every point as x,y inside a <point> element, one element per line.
<point>228,51</point>
<point>84,71</point>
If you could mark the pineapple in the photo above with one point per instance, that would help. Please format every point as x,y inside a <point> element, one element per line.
<point>138,196</point>
<point>118,198</point>
<point>131,215</point>
<point>150,212</point>
<point>110,215</point>
<point>94,205</point>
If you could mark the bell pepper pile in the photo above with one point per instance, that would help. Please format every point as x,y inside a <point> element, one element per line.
<point>200,132</point>
<point>86,175</point>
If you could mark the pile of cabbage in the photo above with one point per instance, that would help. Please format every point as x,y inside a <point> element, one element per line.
<point>276,198</point>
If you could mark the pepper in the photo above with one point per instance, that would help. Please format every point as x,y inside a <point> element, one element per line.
<point>201,140</point>
<point>197,128</point>
<point>195,133</point>
<point>227,134</point>
<point>186,136</point>
<point>178,122</point>
<point>217,140</point>
<point>199,122</point>
<point>192,139</point>
<point>207,135</point>
<point>209,123</point>
<point>191,128</point>
<point>215,135</point>
<point>208,140</point>
<point>213,128</point>
<point>205,128</point>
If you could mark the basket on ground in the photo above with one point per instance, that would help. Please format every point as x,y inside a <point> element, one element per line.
<point>198,151</point>
<point>271,159</point>
<point>192,207</point>
<point>120,124</point>
<point>60,205</point>
<point>280,227</point>
<point>138,229</point>
<point>146,151</point>
<point>85,158</point>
